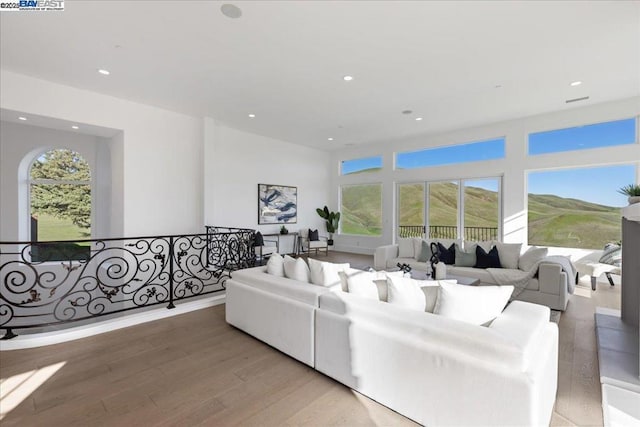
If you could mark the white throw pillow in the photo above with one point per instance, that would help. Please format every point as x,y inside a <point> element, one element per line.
<point>406,248</point>
<point>377,278</point>
<point>275,265</point>
<point>531,257</point>
<point>477,305</point>
<point>325,273</point>
<point>509,254</point>
<point>406,292</point>
<point>362,284</point>
<point>296,269</point>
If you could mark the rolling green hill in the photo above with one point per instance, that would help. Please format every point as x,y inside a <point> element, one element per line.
<point>553,220</point>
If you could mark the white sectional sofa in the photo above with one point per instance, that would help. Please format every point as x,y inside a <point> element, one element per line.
<point>550,286</point>
<point>432,369</point>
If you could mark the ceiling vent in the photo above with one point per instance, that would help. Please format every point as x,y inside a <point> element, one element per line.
<point>584,98</point>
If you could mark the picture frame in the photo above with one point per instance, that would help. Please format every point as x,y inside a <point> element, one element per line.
<point>277,204</point>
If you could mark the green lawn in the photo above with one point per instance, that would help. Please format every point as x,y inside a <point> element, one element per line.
<point>52,228</point>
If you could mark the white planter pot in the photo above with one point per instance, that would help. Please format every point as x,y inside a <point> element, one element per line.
<point>634,199</point>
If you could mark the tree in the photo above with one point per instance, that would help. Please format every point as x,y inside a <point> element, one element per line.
<point>60,186</point>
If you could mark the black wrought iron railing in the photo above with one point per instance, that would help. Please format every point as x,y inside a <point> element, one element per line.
<point>449,232</point>
<point>57,286</point>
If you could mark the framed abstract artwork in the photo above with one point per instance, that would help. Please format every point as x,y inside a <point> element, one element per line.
<point>277,204</point>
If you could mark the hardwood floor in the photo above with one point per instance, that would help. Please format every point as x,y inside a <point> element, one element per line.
<point>195,369</point>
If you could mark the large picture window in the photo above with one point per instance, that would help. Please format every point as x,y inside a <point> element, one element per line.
<point>60,205</point>
<point>468,209</point>
<point>361,209</point>
<point>577,208</point>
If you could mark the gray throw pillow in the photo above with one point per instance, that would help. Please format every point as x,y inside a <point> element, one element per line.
<point>425,252</point>
<point>612,255</point>
<point>465,258</point>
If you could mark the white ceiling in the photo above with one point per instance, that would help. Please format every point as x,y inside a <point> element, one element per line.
<point>54,123</point>
<point>284,61</point>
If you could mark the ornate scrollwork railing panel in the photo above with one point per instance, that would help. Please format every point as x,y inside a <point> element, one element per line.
<point>112,275</point>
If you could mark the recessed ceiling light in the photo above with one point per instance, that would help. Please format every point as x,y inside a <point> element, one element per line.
<point>576,83</point>
<point>347,78</point>
<point>252,116</point>
<point>407,112</point>
<point>74,127</point>
<point>231,11</point>
<point>329,139</point>
<point>22,118</point>
<point>104,72</point>
<point>418,118</point>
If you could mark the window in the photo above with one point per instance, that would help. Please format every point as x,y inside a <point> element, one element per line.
<point>461,208</point>
<point>361,209</point>
<point>411,205</point>
<point>481,208</point>
<point>369,164</point>
<point>607,134</point>
<point>577,208</point>
<point>462,153</point>
<point>443,209</point>
<point>60,205</point>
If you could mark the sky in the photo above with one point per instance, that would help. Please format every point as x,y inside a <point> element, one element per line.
<point>461,153</point>
<point>597,135</point>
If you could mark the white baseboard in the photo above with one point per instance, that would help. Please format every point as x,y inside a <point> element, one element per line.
<point>100,327</point>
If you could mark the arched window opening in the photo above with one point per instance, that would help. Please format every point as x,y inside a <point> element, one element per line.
<point>60,205</point>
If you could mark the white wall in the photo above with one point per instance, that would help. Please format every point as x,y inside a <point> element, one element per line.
<point>236,162</point>
<point>19,145</point>
<point>161,151</point>
<point>512,168</point>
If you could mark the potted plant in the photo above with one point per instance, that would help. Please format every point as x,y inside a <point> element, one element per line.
<point>632,191</point>
<point>332,219</point>
<point>283,230</point>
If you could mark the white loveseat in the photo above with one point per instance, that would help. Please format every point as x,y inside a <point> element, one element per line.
<point>432,369</point>
<point>549,286</point>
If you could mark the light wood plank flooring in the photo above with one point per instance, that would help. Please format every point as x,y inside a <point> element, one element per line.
<point>195,369</point>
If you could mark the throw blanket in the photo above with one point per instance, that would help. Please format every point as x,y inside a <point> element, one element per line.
<point>520,279</point>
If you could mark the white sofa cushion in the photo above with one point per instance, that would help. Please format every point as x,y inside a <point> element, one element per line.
<point>509,254</point>
<point>275,265</point>
<point>406,292</point>
<point>426,328</point>
<point>472,304</point>
<point>323,273</point>
<point>296,269</point>
<point>476,273</point>
<point>531,258</point>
